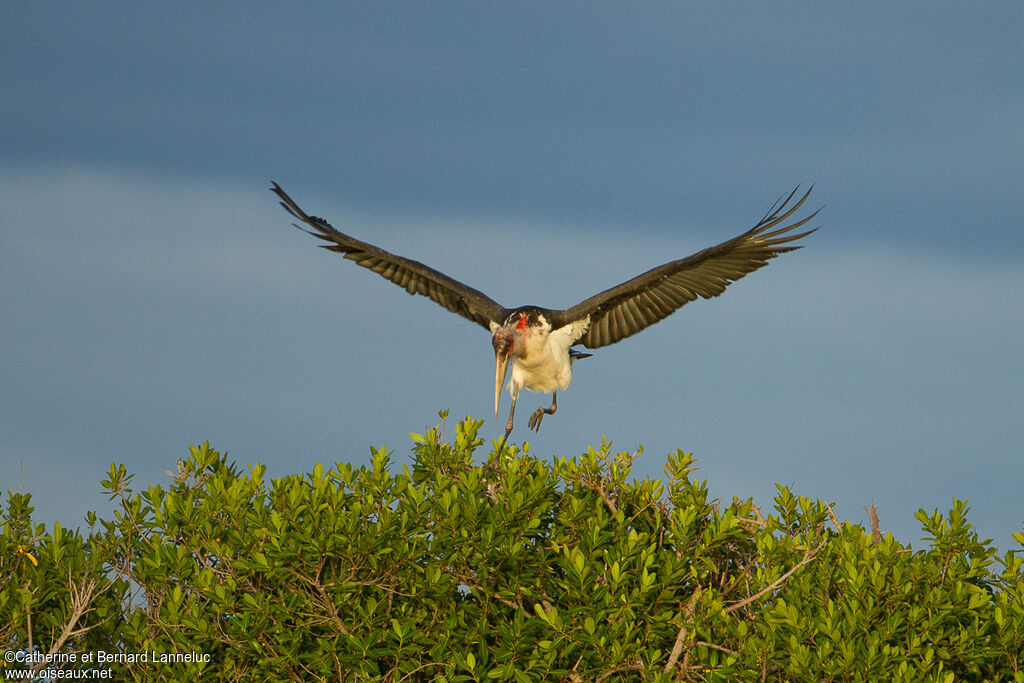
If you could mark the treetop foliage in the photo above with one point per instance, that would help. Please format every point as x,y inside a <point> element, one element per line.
<point>511,569</point>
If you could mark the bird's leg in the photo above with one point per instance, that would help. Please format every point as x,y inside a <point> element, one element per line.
<point>539,414</point>
<point>508,425</point>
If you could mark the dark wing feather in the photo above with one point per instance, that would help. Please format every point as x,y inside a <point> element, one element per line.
<point>413,276</point>
<point>624,310</point>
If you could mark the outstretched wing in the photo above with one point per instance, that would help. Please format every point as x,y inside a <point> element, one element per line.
<point>415,277</point>
<point>624,310</point>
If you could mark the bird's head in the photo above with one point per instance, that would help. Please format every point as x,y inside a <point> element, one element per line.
<point>508,342</point>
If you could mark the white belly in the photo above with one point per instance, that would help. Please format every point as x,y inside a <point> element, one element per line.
<point>541,372</point>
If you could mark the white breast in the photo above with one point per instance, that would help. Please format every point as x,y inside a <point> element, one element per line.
<point>545,366</point>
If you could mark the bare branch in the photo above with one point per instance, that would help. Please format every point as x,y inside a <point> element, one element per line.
<point>478,587</point>
<point>876,534</point>
<point>329,605</point>
<point>701,643</point>
<point>809,555</point>
<point>419,668</point>
<point>677,648</point>
<point>28,619</point>
<point>81,598</point>
<point>599,489</point>
<point>636,666</point>
<point>835,519</point>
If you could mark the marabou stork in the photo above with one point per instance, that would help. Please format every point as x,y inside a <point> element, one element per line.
<point>537,342</point>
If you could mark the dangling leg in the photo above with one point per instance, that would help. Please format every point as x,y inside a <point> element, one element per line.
<point>511,414</point>
<point>539,414</point>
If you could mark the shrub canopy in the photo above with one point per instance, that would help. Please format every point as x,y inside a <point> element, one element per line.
<point>514,569</point>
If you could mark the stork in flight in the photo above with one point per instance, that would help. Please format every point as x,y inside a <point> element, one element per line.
<point>537,342</point>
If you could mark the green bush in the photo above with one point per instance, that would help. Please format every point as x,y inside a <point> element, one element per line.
<point>515,569</point>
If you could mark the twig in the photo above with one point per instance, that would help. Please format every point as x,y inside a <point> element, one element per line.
<point>809,555</point>
<point>835,519</point>
<point>28,618</point>
<point>751,525</point>
<point>419,668</point>
<point>476,586</point>
<point>328,604</point>
<point>680,644</point>
<point>598,488</point>
<point>876,534</point>
<point>80,600</point>
<point>701,643</point>
<point>677,648</point>
<point>757,514</point>
<point>619,669</point>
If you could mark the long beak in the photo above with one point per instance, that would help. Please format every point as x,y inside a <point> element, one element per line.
<point>501,358</point>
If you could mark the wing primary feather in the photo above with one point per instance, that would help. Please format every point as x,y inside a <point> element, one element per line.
<point>413,276</point>
<point>625,309</point>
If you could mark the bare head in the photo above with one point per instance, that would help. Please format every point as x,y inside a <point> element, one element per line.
<point>503,342</point>
<point>510,340</point>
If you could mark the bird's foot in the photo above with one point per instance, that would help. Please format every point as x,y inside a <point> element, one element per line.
<point>537,416</point>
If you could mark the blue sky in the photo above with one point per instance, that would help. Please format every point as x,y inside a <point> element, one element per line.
<point>154,295</point>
